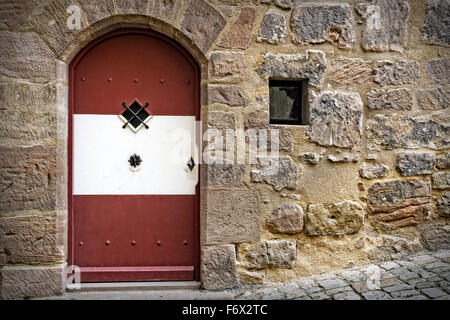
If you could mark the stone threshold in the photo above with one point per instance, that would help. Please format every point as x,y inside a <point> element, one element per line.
<point>133,286</point>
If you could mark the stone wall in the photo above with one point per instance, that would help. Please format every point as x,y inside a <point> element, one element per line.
<point>367,179</point>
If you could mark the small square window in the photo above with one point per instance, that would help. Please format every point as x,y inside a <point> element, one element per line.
<point>288,102</point>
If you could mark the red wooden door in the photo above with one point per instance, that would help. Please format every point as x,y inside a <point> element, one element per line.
<point>133,95</point>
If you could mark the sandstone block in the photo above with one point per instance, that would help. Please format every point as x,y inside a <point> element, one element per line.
<point>436,29</point>
<point>28,112</point>
<point>443,161</point>
<point>351,70</point>
<point>310,157</point>
<point>273,28</point>
<point>26,282</point>
<point>25,55</point>
<point>435,237</point>
<point>437,71</point>
<point>335,119</point>
<point>287,218</point>
<point>219,269</point>
<point>386,25</point>
<point>30,239</point>
<point>336,219</point>
<point>233,217</point>
<point>167,10</point>
<point>394,131</point>
<point>226,94</point>
<point>272,254</point>
<point>441,180</point>
<point>141,7</point>
<point>222,120</point>
<point>223,64</point>
<point>372,171</point>
<point>310,66</point>
<point>319,23</point>
<point>226,174</point>
<point>433,99</point>
<point>27,178</point>
<point>400,203</point>
<point>279,172</point>
<point>400,72</point>
<point>415,163</point>
<point>202,23</point>
<point>443,205</point>
<point>392,99</point>
<point>239,34</point>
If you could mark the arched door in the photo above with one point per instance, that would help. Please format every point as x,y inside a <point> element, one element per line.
<point>133,192</point>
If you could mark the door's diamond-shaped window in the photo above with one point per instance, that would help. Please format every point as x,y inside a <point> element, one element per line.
<point>135,116</point>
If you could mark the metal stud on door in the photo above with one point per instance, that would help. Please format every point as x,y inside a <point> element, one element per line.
<point>134,209</point>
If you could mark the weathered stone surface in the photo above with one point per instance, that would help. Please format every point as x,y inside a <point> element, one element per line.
<point>433,99</point>
<point>258,119</point>
<point>251,277</point>
<point>437,71</point>
<point>400,72</point>
<point>219,269</point>
<point>344,157</point>
<point>386,25</point>
<point>27,178</point>
<point>133,7</point>
<point>281,253</point>
<point>96,11</point>
<point>222,64</point>
<point>25,55</point>
<point>51,22</point>
<point>285,140</point>
<point>287,218</point>
<point>15,14</point>
<point>372,170</point>
<point>319,23</point>
<point>443,161</point>
<point>233,217</point>
<point>202,23</point>
<point>27,112</point>
<point>226,94</point>
<point>441,180</point>
<point>30,239</point>
<point>351,70</point>
<point>415,163</point>
<point>226,174</point>
<point>284,4</point>
<point>400,203</point>
<point>392,99</point>
<point>435,236</point>
<point>222,120</point>
<point>443,205</point>
<point>279,172</point>
<point>336,219</point>
<point>310,157</point>
<point>239,34</point>
<point>310,66</point>
<point>24,282</point>
<point>273,28</point>
<point>273,254</point>
<point>436,28</point>
<point>167,10</point>
<point>335,119</point>
<point>228,10</point>
<point>394,131</point>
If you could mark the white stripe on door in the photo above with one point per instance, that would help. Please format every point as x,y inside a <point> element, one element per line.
<point>101,149</point>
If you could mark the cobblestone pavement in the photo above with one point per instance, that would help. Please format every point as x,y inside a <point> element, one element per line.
<point>425,275</point>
